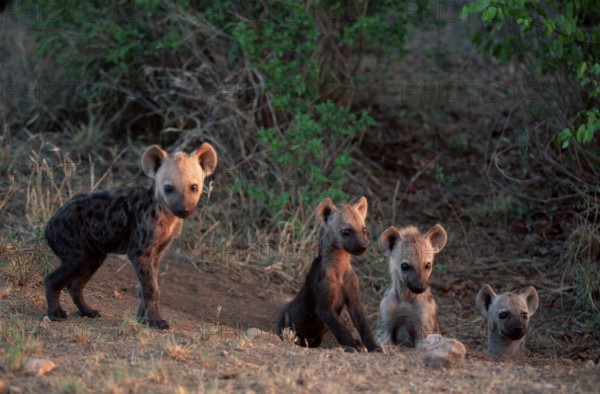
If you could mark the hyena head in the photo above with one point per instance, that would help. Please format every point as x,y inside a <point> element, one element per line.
<point>508,313</point>
<point>345,225</point>
<point>178,178</point>
<point>411,254</point>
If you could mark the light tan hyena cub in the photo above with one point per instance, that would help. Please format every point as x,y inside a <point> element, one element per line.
<point>508,315</point>
<point>408,312</point>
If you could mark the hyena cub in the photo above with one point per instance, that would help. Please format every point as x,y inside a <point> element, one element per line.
<point>408,312</point>
<point>508,315</point>
<point>138,221</point>
<point>331,283</point>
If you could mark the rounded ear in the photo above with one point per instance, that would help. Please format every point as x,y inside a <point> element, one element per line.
<point>438,238</point>
<point>388,239</point>
<point>361,206</point>
<point>530,296</point>
<point>324,210</point>
<point>485,297</point>
<point>207,157</point>
<point>152,159</point>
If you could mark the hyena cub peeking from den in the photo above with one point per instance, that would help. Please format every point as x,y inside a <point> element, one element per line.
<point>408,312</point>
<point>331,283</point>
<point>138,221</point>
<point>508,316</point>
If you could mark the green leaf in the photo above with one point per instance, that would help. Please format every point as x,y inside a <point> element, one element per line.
<point>581,69</point>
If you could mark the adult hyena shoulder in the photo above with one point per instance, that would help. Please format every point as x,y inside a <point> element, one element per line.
<point>138,221</point>
<point>508,316</point>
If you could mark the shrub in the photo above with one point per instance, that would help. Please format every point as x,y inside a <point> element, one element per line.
<point>554,37</point>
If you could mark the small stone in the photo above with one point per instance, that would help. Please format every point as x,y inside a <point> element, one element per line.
<point>38,367</point>
<point>442,352</point>
<point>117,295</point>
<point>3,387</point>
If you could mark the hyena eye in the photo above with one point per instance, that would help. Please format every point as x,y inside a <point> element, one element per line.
<point>405,266</point>
<point>428,266</point>
<point>168,189</point>
<point>364,230</point>
<point>524,315</point>
<point>346,233</point>
<point>194,188</point>
<point>503,315</point>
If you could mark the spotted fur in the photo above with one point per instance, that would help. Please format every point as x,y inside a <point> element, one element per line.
<point>138,221</point>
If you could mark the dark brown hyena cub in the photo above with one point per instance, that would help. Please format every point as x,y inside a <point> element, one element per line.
<point>138,221</point>
<point>331,283</point>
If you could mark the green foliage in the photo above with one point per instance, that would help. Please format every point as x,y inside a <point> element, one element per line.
<point>284,41</point>
<point>556,36</point>
<point>304,57</point>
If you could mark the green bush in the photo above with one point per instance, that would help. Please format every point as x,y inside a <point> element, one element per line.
<point>302,58</point>
<point>555,36</point>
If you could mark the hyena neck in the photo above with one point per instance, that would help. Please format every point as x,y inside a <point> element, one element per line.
<point>330,254</point>
<point>502,346</point>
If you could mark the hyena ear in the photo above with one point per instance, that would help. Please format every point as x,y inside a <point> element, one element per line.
<point>361,206</point>
<point>325,209</point>
<point>207,157</point>
<point>530,296</point>
<point>485,297</point>
<point>152,159</point>
<point>388,239</point>
<point>438,237</point>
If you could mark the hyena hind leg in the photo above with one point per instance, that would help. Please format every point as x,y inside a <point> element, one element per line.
<point>55,282</point>
<point>76,286</point>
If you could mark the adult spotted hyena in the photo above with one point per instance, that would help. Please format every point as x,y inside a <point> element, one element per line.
<point>508,316</point>
<point>137,221</point>
<point>331,282</point>
<point>408,312</point>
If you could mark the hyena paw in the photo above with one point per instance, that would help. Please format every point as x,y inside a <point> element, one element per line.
<point>58,315</point>
<point>376,349</point>
<point>350,349</point>
<point>159,324</point>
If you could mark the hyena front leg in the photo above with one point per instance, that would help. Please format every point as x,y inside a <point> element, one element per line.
<point>146,270</point>
<point>328,315</point>
<point>357,313</point>
<point>385,324</point>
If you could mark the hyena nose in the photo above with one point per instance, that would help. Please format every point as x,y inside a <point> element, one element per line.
<point>182,213</point>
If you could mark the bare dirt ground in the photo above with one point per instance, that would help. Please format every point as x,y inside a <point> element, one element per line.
<point>200,354</point>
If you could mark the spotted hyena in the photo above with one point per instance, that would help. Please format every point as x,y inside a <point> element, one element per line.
<point>408,312</point>
<point>508,316</point>
<point>137,221</point>
<point>331,282</point>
